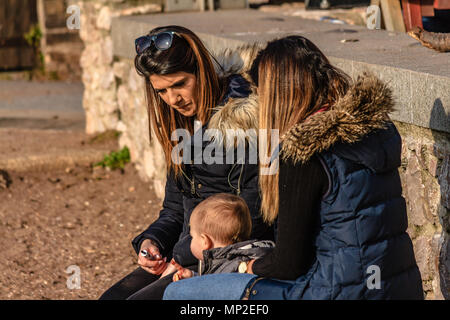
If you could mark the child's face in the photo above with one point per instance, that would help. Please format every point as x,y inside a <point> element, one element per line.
<point>197,244</point>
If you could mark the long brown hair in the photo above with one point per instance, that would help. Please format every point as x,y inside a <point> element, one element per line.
<point>186,54</point>
<point>294,80</point>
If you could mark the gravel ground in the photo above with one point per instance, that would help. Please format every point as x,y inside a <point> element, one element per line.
<point>74,216</point>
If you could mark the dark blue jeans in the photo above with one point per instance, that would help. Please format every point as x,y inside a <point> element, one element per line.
<point>231,286</point>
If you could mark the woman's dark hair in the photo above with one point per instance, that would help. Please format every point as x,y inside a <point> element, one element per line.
<point>294,80</point>
<point>186,54</point>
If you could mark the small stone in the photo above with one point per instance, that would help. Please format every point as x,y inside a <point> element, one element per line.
<point>107,51</point>
<point>432,166</point>
<point>69,170</point>
<point>122,98</point>
<point>104,19</point>
<point>107,79</point>
<point>121,70</point>
<point>415,193</point>
<point>422,250</point>
<point>121,127</point>
<point>69,226</point>
<point>135,82</point>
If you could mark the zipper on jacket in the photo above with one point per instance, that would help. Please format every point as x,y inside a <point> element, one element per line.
<point>248,291</point>
<point>238,189</point>
<point>191,181</point>
<point>199,267</point>
<point>192,186</point>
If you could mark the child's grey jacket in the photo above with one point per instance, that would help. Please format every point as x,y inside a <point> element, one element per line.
<point>227,259</point>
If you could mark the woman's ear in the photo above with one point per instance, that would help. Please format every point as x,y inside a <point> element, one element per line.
<point>207,242</point>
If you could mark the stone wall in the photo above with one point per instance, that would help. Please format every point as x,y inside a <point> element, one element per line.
<point>113,96</point>
<point>147,155</point>
<point>114,99</point>
<point>425,180</point>
<point>100,96</point>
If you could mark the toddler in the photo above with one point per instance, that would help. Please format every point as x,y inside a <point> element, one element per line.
<point>220,227</point>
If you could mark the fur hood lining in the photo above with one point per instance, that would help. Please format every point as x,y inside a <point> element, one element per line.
<point>361,110</point>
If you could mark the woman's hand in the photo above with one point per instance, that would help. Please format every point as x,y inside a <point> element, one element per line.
<point>157,264</point>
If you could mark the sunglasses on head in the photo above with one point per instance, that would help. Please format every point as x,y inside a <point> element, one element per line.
<point>162,41</point>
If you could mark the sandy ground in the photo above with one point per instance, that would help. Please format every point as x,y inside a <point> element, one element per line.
<point>51,219</point>
<point>60,218</point>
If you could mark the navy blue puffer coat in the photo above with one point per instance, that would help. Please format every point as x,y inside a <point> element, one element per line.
<point>362,250</point>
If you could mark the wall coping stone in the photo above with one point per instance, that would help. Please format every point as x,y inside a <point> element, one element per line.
<point>419,77</point>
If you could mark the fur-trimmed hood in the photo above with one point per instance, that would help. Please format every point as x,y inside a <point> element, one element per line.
<point>236,113</point>
<point>363,109</point>
<point>237,61</point>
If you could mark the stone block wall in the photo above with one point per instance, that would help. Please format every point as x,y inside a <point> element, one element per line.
<point>146,153</point>
<point>425,179</point>
<point>100,96</point>
<point>114,98</point>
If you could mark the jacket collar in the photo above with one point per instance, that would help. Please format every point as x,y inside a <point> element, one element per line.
<point>361,110</point>
<point>240,111</point>
<point>237,61</point>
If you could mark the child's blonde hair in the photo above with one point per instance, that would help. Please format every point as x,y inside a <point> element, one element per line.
<point>223,216</point>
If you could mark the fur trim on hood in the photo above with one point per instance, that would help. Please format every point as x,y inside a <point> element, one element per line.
<point>237,113</point>
<point>237,61</point>
<point>361,110</point>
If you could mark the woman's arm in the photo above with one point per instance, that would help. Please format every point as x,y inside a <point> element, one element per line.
<point>165,231</point>
<point>301,188</point>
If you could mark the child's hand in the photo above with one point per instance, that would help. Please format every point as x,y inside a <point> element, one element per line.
<point>169,269</point>
<point>182,273</point>
<point>250,266</point>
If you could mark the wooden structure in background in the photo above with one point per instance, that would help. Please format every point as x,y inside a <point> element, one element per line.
<point>392,15</point>
<point>414,10</point>
<point>16,19</point>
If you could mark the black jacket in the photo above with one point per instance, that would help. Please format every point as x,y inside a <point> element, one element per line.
<point>170,231</point>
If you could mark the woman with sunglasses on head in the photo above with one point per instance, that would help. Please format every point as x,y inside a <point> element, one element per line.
<point>337,197</point>
<point>189,90</point>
